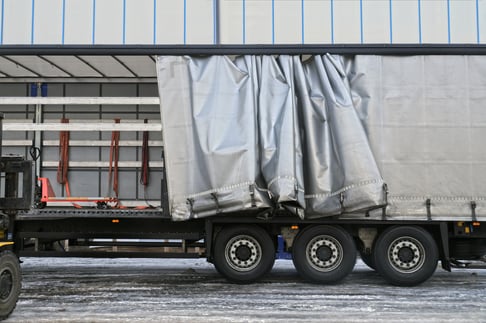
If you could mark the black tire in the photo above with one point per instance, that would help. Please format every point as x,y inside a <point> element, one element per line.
<point>324,254</point>
<point>368,259</point>
<point>243,254</point>
<point>10,283</point>
<point>406,255</point>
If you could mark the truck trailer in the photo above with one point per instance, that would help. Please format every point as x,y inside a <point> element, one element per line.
<point>311,153</point>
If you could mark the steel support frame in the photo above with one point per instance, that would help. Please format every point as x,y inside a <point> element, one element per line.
<point>250,49</point>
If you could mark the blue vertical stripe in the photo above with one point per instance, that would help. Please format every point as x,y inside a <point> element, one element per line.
<point>332,21</point>
<point>215,27</point>
<point>32,29</point>
<point>303,21</point>
<point>478,30</point>
<point>124,22</point>
<point>273,21</point>
<point>361,20</point>
<point>244,21</point>
<point>419,9</point>
<point>93,36</point>
<point>63,20</point>
<point>449,21</point>
<point>185,21</point>
<point>155,23</point>
<point>391,22</point>
<point>3,22</point>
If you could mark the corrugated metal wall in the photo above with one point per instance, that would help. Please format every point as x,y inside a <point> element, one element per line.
<point>241,21</point>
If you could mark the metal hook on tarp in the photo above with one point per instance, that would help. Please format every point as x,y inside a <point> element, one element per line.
<point>473,211</point>
<point>215,198</point>
<point>428,204</point>
<point>190,201</point>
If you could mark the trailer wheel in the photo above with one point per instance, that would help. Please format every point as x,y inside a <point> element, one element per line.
<point>10,283</point>
<point>243,254</point>
<point>368,259</point>
<point>324,254</point>
<point>406,256</point>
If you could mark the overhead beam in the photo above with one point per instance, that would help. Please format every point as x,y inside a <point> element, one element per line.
<point>95,126</point>
<point>79,100</point>
<point>250,49</point>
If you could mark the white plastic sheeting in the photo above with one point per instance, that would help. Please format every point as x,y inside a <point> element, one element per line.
<point>261,132</point>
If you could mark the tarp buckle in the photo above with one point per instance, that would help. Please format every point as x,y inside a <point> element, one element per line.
<point>252,196</point>
<point>473,211</point>
<point>385,198</point>
<point>215,198</point>
<point>341,201</point>
<point>428,204</point>
<point>190,201</point>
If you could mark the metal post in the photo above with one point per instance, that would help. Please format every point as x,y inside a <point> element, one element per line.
<point>38,134</point>
<point>1,132</point>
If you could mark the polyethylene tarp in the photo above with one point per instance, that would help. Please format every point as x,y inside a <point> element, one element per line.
<point>425,118</point>
<point>259,132</point>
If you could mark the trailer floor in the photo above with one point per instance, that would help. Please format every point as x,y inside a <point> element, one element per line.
<point>182,290</point>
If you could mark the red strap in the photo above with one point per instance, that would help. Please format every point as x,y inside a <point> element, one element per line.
<point>114,157</point>
<point>144,174</point>
<point>62,168</point>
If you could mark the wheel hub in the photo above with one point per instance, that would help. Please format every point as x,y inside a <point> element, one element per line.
<point>406,254</point>
<point>243,253</point>
<point>324,253</point>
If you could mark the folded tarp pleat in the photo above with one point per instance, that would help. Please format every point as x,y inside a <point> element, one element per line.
<point>261,132</point>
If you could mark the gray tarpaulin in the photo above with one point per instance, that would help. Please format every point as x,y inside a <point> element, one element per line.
<point>261,132</point>
<point>425,117</point>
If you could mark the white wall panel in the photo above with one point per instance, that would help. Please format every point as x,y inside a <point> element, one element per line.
<point>317,21</point>
<point>1,25</point>
<point>231,22</point>
<point>170,22</point>
<point>17,22</point>
<point>243,21</point>
<point>463,21</point>
<point>405,21</point>
<point>434,21</point>
<point>48,22</point>
<point>482,21</point>
<point>78,24</point>
<point>347,21</point>
<point>288,21</point>
<point>139,22</point>
<point>109,22</point>
<point>376,21</point>
<point>199,22</point>
<point>259,22</point>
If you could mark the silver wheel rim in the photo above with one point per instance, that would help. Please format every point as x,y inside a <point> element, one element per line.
<point>324,253</point>
<point>406,255</point>
<point>243,253</point>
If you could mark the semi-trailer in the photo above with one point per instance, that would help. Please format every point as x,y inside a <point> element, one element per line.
<point>309,153</point>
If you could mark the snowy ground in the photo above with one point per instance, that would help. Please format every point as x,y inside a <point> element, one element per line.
<point>149,290</point>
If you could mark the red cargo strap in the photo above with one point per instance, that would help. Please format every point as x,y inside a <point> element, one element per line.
<point>114,156</point>
<point>144,174</point>
<point>63,166</point>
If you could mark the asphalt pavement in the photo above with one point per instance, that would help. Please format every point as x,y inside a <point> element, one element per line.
<point>179,290</point>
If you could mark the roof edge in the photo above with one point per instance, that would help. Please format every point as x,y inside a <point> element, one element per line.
<point>252,49</point>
